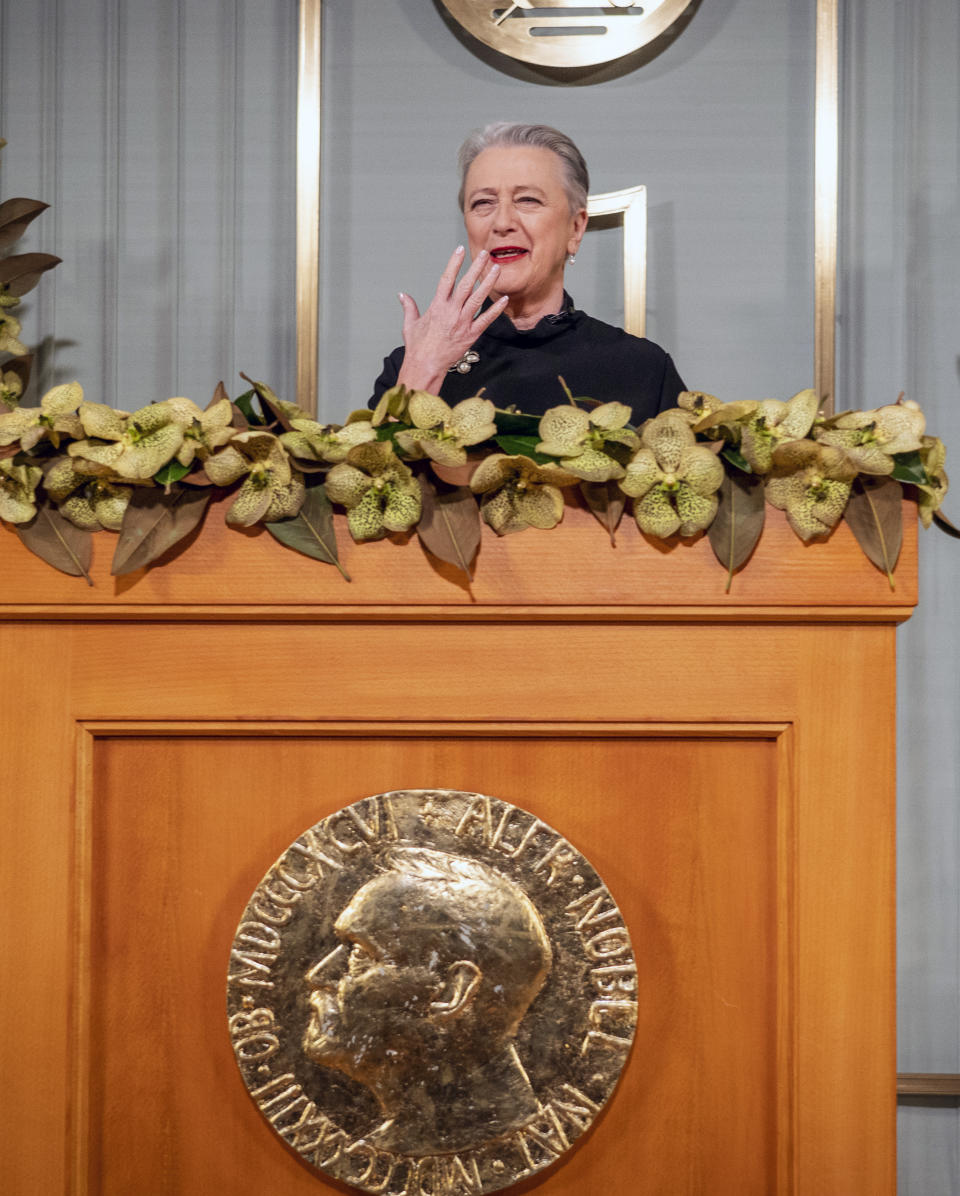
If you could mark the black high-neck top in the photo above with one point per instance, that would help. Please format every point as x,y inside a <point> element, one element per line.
<point>521,368</point>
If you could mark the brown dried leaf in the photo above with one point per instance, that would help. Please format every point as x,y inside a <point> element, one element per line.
<point>449,524</point>
<point>153,523</point>
<point>874,512</point>
<point>945,525</point>
<point>218,396</point>
<point>737,525</point>
<point>21,272</point>
<point>268,401</point>
<point>311,531</point>
<point>55,540</point>
<point>606,501</point>
<point>15,215</point>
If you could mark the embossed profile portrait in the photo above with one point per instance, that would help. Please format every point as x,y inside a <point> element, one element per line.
<point>440,957</point>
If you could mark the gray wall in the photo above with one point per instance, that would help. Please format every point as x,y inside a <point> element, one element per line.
<point>162,133</point>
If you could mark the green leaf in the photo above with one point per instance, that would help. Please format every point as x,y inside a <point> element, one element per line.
<point>736,458</point>
<point>606,502</point>
<point>153,523</point>
<point>908,467</point>
<point>311,531</point>
<point>21,272</point>
<point>739,520</point>
<point>513,423</point>
<point>874,512</point>
<point>388,431</point>
<point>172,472</point>
<point>449,524</point>
<point>523,446</point>
<point>58,542</point>
<point>244,403</point>
<point>269,404</point>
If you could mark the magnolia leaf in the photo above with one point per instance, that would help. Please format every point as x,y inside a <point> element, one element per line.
<point>21,272</point>
<point>908,467</point>
<point>311,531</point>
<point>945,525</point>
<point>449,526</point>
<point>173,471</point>
<point>512,423</point>
<point>153,523</point>
<point>218,396</point>
<point>523,446</point>
<point>875,515</point>
<point>244,405</point>
<point>269,404</point>
<point>737,525</point>
<point>606,501</point>
<point>736,458</point>
<point>15,215</point>
<point>55,540</point>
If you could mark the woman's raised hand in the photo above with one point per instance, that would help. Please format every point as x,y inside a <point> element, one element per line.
<point>446,330</point>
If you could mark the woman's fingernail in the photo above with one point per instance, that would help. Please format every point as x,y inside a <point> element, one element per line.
<point>459,249</point>
<point>400,295</point>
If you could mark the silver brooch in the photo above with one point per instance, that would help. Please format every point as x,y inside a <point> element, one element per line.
<point>470,358</point>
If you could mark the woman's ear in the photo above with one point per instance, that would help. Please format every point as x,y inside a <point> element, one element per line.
<point>576,233</point>
<point>458,988</point>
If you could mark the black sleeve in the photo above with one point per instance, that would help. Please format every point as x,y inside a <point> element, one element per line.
<point>388,376</point>
<point>671,384</point>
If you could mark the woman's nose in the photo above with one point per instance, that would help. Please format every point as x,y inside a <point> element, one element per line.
<point>327,972</point>
<point>503,219</point>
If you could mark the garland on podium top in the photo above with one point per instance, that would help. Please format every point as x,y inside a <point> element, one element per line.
<point>70,467</point>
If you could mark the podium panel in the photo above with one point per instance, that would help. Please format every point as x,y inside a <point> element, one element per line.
<point>726,765</point>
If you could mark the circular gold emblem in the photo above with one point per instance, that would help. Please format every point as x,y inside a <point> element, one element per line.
<point>431,991</point>
<point>565,32</point>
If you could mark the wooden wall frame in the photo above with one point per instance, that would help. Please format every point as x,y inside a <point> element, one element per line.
<point>826,201</point>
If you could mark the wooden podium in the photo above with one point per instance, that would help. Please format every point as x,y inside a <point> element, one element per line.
<point>726,762</point>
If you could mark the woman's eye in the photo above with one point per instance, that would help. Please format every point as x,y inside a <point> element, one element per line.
<point>528,199</point>
<point>480,205</point>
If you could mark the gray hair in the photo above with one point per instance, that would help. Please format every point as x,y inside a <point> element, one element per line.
<point>576,179</point>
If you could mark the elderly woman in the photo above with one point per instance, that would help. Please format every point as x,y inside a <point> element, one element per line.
<point>508,325</point>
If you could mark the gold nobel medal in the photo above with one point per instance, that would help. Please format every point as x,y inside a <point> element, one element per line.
<point>431,992</point>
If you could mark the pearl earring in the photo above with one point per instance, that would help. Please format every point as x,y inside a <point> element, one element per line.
<point>571,259</point>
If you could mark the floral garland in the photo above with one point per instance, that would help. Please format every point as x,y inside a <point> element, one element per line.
<point>71,467</point>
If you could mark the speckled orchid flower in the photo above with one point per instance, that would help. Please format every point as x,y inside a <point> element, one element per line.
<point>11,388</point>
<point>695,405</point>
<point>812,483</point>
<point>132,445</point>
<point>757,427</point>
<point>672,479</point>
<point>312,441</point>
<point>55,417</point>
<point>930,496</point>
<point>871,438</point>
<point>380,493</point>
<point>18,488</point>
<point>9,331</point>
<point>272,489</point>
<point>203,431</point>
<point>580,438</point>
<point>444,433</point>
<point>518,493</point>
<point>88,502</point>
